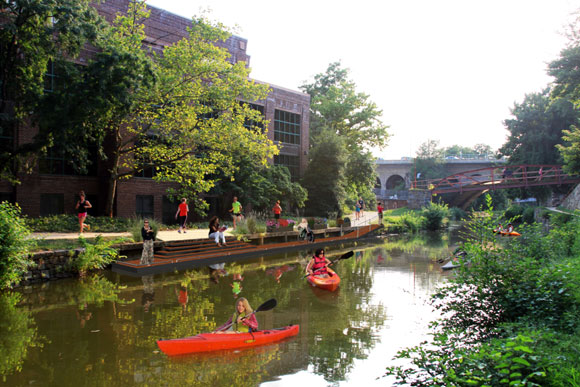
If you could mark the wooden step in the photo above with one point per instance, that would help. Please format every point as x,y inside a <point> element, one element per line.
<point>216,251</point>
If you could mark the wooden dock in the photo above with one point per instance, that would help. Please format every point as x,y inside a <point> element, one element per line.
<point>181,255</point>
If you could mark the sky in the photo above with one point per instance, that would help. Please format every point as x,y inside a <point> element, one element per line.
<point>448,70</point>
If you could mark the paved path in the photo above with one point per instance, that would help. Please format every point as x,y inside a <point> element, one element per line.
<point>171,235</point>
<point>369,217</point>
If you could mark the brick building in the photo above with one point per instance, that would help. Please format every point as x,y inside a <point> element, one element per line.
<point>52,187</point>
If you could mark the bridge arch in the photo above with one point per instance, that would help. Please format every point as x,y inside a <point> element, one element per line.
<point>394,182</point>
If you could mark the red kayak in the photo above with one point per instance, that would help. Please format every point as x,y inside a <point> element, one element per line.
<point>327,283</point>
<point>206,342</point>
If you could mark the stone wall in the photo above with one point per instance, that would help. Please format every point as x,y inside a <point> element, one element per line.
<point>572,202</point>
<point>418,198</point>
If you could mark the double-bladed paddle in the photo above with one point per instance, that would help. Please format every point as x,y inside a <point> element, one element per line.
<point>343,256</point>
<point>270,304</point>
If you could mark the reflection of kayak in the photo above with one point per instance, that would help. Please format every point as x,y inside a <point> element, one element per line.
<point>454,262</point>
<point>327,283</point>
<point>513,233</point>
<point>206,342</point>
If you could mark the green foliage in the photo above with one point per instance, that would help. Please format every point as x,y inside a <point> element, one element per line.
<point>509,317</point>
<point>407,222</point>
<point>514,213</point>
<point>35,34</point>
<point>429,162</point>
<point>95,255</point>
<point>435,216</point>
<point>136,224</point>
<point>250,225</point>
<point>19,333</point>
<point>70,223</point>
<point>323,178</point>
<point>528,215</point>
<point>15,245</point>
<point>570,150</point>
<point>499,198</point>
<point>456,213</point>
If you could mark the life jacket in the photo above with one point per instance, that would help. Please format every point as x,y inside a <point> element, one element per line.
<point>319,263</point>
<point>239,327</point>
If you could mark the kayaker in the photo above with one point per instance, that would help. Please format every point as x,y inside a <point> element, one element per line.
<point>510,227</point>
<point>499,228</point>
<point>318,264</point>
<point>243,319</point>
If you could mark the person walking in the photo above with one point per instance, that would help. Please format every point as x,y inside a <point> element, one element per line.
<point>236,210</point>
<point>181,215</point>
<point>357,210</point>
<point>380,210</point>
<point>361,203</point>
<point>148,235</point>
<point>277,210</point>
<point>81,207</point>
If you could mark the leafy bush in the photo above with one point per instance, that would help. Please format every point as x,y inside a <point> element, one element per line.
<point>96,255</point>
<point>70,223</point>
<point>137,224</point>
<point>528,215</point>
<point>407,222</point>
<point>510,318</point>
<point>514,213</point>
<point>15,245</point>
<point>456,213</point>
<point>435,216</point>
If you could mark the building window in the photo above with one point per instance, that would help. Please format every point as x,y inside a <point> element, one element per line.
<point>6,197</point>
<point>6,139</point>
<point>252,124</point>
<point>55,162</point>
<point>51,204</point>
<point>290,162</point>
<point>168,210</point>
<point>144,206</point>
<point>146,170</point>
<point>287,127</point>
<point>49,77</point>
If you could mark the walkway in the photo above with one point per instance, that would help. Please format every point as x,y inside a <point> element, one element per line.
<point>170,235</point>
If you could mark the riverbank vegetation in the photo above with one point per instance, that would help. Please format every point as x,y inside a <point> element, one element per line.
<point>510,317</point>
<point>433,217</point>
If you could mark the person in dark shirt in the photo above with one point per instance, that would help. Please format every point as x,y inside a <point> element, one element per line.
<point>81,207</point>
<point>148,235</point>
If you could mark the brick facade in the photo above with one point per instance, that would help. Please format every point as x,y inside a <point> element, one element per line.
<point>162,29</point>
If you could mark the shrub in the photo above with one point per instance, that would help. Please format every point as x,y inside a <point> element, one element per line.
<point>96,255</point>
<point>435,216</point>
<point>457,213</point>
<point>528,215</point>
<point>15,246</point>
<point>137,224</point>
<point>514,213</point>
<point>70,223</point>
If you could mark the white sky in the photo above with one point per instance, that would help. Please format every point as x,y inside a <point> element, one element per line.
<point>448,70</point>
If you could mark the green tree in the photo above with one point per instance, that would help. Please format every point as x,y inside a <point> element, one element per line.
<point>181,121</point>
<point>15,247</point>
<point>429,162</point>
<point>337,109</point>
<point>571,150</point>
<point>324,177</point>
<point>537,128</point>
<point>37,36</point>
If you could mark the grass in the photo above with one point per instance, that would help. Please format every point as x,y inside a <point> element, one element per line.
<point>398,211</point>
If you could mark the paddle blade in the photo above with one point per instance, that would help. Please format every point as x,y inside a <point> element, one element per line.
<point>346,256</point>
<point>270,304</point>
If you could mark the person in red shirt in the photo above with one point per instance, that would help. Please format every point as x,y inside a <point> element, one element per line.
<point>277,210</point>
<point>181,215</point>
<point>380,209</point>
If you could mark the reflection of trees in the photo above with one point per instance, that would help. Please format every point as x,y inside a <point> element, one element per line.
<point>348,331</point>
<point>19,332</point>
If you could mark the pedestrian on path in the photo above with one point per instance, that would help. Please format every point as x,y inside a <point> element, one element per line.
<point>361,203</point>
<point>357,211</point>
<point>81,207</point>
<point>380,209</point>
<point>148,236</point>
<point>236,210</point>
<point>277,210</point>
<point>181,215</point>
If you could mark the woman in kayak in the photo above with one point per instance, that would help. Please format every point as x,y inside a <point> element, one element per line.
<point>243,319</point>
<point>510,227</point>
<point>318,264</point>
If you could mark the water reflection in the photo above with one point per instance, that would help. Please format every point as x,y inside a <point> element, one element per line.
<point>97,334</point>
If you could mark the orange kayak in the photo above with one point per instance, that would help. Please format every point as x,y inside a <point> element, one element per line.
<point>327,283</point>
<point>207,342</point>
<point>513,233</point>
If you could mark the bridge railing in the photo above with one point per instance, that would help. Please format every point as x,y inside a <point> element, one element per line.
<point>498,177</point>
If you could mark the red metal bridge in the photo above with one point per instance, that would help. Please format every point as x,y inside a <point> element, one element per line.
<point>492,178</point>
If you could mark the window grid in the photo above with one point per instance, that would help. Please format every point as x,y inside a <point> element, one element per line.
<point>290,162</point>
<point>144,206</point>
<point>55,163</point>
<point>287,127</point>
<point>252,124</point>
<point>49,77</point>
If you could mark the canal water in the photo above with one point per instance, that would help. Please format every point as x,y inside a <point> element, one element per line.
<point>101,330</point>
